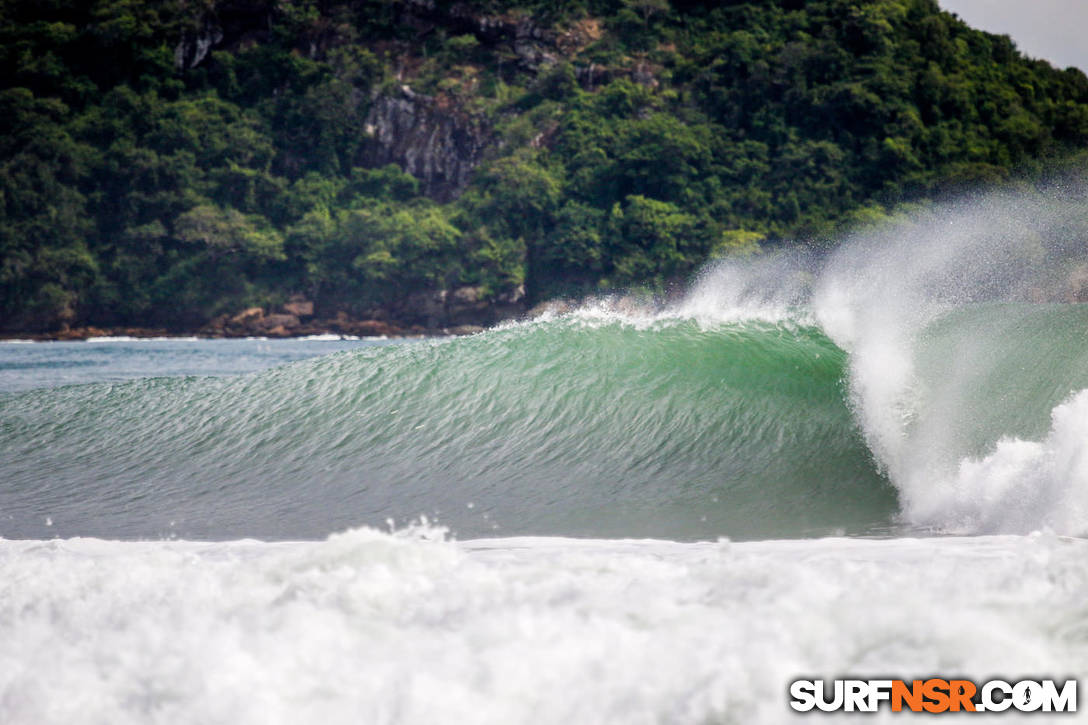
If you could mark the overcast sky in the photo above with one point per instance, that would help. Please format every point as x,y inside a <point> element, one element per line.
<point>1054,30</point>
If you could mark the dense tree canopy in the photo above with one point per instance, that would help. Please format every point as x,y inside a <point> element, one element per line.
<point>165,161</point>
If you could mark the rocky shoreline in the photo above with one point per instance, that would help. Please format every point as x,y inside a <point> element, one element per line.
<point>340,326</point>
<point>463,311</point>
<point>364,329</point>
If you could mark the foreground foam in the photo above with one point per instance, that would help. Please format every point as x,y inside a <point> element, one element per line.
<point>409,628</point>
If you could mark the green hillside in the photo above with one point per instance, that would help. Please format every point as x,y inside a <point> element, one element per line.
<point>166,161</point>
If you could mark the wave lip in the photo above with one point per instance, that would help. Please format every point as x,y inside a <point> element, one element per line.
<point>960,354</point>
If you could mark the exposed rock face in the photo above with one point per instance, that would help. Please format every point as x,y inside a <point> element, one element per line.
<point>272,322</point>
<point>194,46</point>
<point>248,316</point>
<point>644,75</point>
<point>438,146</point>
<point>467,295</point>
<point>424,308</point>
<point>429,138</point>
<point>299,308</point>
<point>459,307</point>
<point>223,24</point>
<point>533,54</point>
<point>459,311</point>
<point>465,330</point>
<point>534,45</point>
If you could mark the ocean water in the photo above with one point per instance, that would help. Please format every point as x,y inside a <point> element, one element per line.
<point>872,464</point>
<point>25,365</point>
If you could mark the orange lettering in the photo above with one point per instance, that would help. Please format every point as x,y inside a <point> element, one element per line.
<point>936,692</point>
<point>911,695</point>
<point>961,692</point>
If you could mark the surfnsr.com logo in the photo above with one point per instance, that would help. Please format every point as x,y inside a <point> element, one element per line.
<point>934,695</point>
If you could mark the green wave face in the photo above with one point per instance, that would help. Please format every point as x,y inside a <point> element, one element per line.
<point>990,371</point>
<point>571,426</point>
<point>998,421</point>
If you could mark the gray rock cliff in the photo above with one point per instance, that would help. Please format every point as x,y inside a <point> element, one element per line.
<point>436,143</point>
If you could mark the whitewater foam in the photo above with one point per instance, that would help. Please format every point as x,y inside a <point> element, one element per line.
<point>130,338</point>
<point>407,628</point>
<point>331,337</point>
<point>1021,485</point>
<point>771,288</point>
<point>950,365</point>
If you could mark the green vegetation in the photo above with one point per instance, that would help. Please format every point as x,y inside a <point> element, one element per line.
<point>147,182</point>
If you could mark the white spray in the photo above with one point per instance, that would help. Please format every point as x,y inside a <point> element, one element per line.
<point>882,296</point>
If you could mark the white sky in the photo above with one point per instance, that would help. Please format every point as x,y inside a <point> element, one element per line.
<point>1054,30</point>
